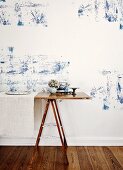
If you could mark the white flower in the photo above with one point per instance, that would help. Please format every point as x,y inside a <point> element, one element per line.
<point>53,83</point>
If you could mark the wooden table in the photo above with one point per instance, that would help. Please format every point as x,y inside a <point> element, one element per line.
<point>53,100</point>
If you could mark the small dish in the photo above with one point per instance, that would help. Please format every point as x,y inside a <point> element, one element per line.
<point>18,93</point>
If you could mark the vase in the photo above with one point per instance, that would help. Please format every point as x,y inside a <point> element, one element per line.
<point>52,90</point>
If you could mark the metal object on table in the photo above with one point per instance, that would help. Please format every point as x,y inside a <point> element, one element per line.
<point>68,90</point>
<point>63,92</point>
<point>74,90</point>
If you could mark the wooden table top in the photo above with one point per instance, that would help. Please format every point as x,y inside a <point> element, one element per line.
<point>79,95</point>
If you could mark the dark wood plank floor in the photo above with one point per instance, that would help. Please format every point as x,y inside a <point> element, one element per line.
<point>52,158</point>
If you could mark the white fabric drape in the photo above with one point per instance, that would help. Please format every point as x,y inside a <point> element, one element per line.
<point>17,115</point>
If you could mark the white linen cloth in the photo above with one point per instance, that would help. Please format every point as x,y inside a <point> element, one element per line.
<point>17,115</point>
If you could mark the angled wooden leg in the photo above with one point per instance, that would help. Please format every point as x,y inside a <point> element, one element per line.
<point>60,132</point>
<point>42,123</point>
<point>57,123</point>
<point>65,142</point>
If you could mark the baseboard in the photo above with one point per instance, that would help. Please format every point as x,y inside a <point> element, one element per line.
<point>72,141</point>
<point>95,141</point>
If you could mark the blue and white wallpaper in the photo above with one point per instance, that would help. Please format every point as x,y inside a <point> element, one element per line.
<point>110,91</point>
<point>107,10</point>
<point>30,72</point>
<point>23,13</point>
<point>30,12</point>
<point>82,33</point>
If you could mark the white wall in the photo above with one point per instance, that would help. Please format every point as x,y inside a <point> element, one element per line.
<point>91,47</point>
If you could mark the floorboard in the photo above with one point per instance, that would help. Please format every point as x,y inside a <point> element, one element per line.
<point>53,158</point>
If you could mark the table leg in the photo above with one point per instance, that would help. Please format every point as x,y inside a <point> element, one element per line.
<point>58,120</point>
<point>42,123</point>
<point>65,142</point>
<point>57,123</point>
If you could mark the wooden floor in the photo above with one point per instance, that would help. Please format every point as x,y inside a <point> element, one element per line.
<point>52,158</point>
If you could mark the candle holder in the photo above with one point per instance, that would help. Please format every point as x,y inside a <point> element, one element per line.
<point>74,90</point>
